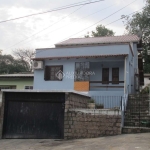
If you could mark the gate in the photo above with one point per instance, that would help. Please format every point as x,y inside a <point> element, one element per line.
<point>34,115</point>
<point>137,113</point>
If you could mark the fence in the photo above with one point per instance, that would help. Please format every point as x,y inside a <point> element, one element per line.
<point>108,101</point>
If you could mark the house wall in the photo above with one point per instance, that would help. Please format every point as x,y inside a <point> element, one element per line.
<point>19,83</point>
<point>95,65</point>
<point>66,84</point>
<point>132,66</point>
<point>83,51</point>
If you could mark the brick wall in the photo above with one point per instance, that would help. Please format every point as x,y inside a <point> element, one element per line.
<point>73,100</point>
<point>84,125</point>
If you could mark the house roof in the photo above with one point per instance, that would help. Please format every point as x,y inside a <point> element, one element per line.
<point>99,40</point>
<point>16,75</point>
<point>87,56</point>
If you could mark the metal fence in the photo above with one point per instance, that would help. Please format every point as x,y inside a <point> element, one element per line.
<point>108,101</point>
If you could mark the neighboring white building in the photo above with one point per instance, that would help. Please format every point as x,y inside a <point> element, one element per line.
<point>146,80</point>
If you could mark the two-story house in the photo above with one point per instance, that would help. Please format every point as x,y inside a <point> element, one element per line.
<point>105,68</point>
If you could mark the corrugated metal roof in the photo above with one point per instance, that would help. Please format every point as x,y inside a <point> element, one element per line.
<point>16,75</point>
<point>99,40</point>
<point>88,56</point>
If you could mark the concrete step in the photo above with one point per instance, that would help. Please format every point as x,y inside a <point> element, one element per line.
<point>138,104</point>
<point>136,120</point>
<point>138,110</point>
<point>129,130</point>
<point>137,117</point>
<point>137,113</point>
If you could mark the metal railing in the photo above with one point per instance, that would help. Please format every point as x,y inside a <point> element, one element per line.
<point>108,102</point>
<point>137,113</point>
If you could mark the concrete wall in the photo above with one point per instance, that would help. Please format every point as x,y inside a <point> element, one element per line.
<point>19,83</point>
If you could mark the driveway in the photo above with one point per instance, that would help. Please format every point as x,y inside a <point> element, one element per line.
<point>120,142</point>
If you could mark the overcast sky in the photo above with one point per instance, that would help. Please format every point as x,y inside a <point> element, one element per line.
<point>51,28</point>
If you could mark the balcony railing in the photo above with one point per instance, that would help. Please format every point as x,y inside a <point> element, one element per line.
<point>106,84</point>
<point>109,102</point>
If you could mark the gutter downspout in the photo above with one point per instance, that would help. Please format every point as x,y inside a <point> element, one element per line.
<point>125,60</point>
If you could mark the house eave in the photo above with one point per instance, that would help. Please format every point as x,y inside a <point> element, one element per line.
<point>77,57</point>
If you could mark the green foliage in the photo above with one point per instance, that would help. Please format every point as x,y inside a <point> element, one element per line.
<point>10,65</point>
<point>145,90</point>
<point>91,101</point>
<point>100,31</point>
<point>138,24</point>
<point>99,106</point>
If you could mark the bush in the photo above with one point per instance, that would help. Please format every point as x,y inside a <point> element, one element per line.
<point>91,101</point>
<point>99,106</point>
<point>145,90</point>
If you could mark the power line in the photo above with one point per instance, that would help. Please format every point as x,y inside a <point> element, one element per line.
<point>60,27</point>
<point>98,22</point>
<point>56,9</point>
<point>101,20</point>
<point>46,27</point>
<point>124,17</point>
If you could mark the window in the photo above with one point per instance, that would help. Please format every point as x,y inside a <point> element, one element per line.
<point>53,73</point>
<point>28,87</point>
<point>105,76</point>
<point>7,87</point>
<point>82,71</point>
<point>115,75</point>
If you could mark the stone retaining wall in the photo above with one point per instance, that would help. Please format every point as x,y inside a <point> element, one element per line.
<point>85,125</point>
<point>73,100</point>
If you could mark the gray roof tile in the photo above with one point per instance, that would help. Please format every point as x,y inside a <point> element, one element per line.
<point>98,40</point>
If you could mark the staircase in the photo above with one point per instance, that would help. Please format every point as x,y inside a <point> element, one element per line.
<point>137,114</point>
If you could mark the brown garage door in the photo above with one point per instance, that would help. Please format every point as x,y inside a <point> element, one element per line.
<point>33,116</point>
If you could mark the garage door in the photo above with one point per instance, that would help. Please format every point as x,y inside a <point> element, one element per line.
<point>31,118</point>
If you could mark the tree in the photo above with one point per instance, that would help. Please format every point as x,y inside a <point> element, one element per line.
<point>10,65</point>
<point>139,24</point>
<point>101,31</point>
<point>25,56</point>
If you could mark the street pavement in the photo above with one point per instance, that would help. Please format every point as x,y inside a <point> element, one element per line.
<point>119,142</point>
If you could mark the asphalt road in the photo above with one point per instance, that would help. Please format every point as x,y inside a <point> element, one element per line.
<point>120,142</point>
